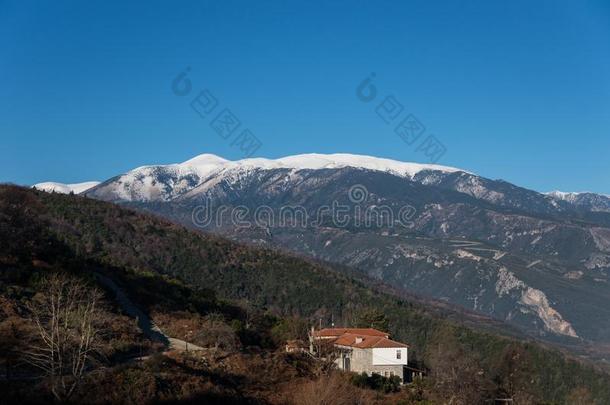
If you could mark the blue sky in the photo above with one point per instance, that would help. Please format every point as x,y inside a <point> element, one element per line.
<point>516,90</point>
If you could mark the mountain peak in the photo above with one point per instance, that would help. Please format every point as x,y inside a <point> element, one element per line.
<point>204,159</point>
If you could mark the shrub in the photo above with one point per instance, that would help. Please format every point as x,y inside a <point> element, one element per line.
<point>376,382</point>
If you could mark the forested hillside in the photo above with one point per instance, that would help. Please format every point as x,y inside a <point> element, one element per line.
<point>170,270</point>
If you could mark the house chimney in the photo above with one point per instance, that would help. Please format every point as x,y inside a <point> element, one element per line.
<point>359,339</point>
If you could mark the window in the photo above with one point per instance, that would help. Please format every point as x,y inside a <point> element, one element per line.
<point>398,354</point>
<point>385,374</point>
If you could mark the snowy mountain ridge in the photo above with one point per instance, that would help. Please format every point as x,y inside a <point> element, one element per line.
<point>206,164</point>
<point>165,182</point>
<point>76,188</point>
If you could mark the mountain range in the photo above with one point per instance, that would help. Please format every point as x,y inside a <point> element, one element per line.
<point>537,261</point>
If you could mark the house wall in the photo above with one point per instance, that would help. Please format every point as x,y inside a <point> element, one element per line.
<point>361,360</point>
<point>387,356</point>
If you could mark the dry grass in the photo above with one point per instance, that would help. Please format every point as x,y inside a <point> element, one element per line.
<point>333,389</point>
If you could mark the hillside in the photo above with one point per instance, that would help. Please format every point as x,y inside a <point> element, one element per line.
<point>168,269</point>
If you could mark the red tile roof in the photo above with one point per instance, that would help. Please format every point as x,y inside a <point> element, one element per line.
<point>336,332</point>
<point>367,342</point>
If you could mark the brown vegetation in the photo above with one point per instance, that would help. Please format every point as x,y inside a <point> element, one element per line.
<point>332,389</point>
<point>211,330</point>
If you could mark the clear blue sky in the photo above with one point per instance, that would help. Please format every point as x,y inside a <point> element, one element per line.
<point>518,90</point>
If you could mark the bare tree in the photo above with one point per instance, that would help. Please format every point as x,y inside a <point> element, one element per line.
<point>66,316</point>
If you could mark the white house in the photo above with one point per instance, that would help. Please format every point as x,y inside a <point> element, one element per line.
<point>364,350</point>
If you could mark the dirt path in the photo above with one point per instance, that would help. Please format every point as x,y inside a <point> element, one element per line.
<point>147,325</point>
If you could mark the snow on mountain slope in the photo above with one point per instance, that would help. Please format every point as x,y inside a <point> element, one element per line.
<point>586,200</point>
<point>564,196</point>
<point>572,196</point>
<point>165,182</point>
<point>75,188</point>
<point>337,160</point>
<point>207,163</point>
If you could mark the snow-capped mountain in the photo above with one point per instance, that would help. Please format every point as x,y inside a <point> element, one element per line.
<point>165,182</point>
<point>168,182</point>
<point>75,188</point>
